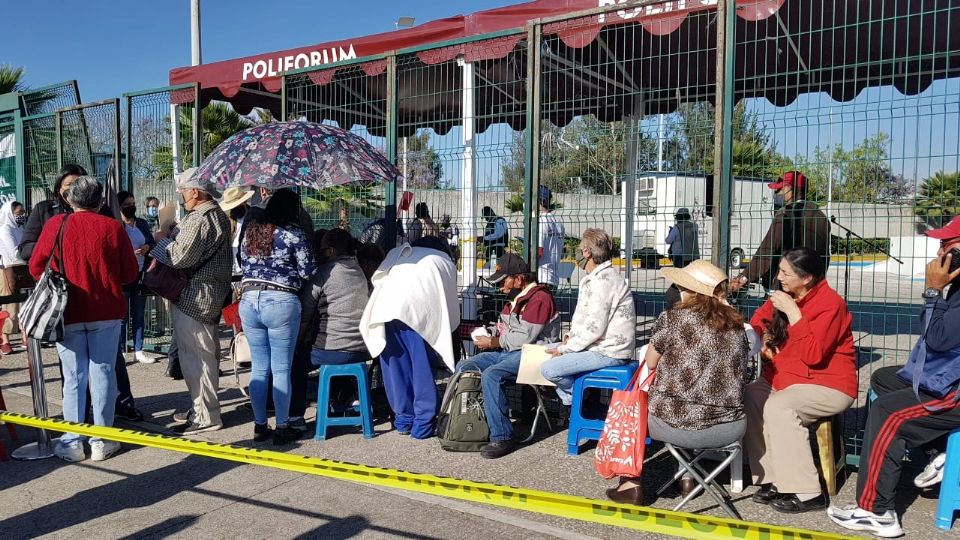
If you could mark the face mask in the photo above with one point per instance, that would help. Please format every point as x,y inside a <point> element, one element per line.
<point>153,211</point>
<point>129,211</point>
<point>779,201</point>
<point>582,260</point>
<point>21,219</point>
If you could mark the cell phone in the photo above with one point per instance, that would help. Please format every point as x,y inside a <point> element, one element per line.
<point>955,261</point>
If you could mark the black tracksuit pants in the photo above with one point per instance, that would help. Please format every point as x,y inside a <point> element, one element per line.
<point>897,421</point>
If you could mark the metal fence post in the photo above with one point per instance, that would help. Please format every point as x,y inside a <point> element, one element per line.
<point>41,449</point>
<point>723,135</point>
<point>531,217</point>
<point>390,189</point>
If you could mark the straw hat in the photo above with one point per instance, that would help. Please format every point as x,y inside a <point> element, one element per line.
<point>699,276</point>
<point>234,197</point>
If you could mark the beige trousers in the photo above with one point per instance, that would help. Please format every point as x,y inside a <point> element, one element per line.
<point>199,353</point>
<point>777,439</point>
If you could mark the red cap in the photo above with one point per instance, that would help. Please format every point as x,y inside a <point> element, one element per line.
<point>793,178</point>
<point>947,232</point>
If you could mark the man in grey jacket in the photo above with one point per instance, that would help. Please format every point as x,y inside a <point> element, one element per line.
<point>200,245</point>
<point>530,317</point>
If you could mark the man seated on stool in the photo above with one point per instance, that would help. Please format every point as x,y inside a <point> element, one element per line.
<point>529,317</point>
<point>604,324</point>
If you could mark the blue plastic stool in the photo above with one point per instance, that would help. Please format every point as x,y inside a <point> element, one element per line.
<point>614,378</point>
<point>358,371</point>
<point>950,487</point>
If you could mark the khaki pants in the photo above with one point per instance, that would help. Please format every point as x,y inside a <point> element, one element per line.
<point>11,325</point>
<point>777,439</point>
<point>199,353</point>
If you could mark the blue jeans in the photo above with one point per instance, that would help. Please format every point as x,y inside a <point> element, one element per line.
<point>88,354</point>
<point>495,368</point>
<point>271,321</point>
<point>319,357</point>
<point>563,370</point>
<point>138,306</point>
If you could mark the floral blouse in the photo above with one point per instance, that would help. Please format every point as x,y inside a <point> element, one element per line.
<point>289,264</point>
<point>700,377</point>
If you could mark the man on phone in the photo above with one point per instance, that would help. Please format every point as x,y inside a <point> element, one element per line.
<point>897,419</point>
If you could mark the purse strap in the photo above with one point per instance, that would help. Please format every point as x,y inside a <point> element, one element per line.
<point>632,386</point>
<point>921,359</point>
<point>58,249</point>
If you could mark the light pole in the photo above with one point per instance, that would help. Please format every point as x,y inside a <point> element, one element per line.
<point>404,22</point>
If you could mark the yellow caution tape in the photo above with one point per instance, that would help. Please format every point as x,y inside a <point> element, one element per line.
<point>653,520</point>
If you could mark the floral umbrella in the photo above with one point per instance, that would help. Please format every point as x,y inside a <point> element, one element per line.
<point>291,154</point>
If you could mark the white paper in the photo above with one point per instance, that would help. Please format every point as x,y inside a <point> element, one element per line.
<point>531,358</point>
<point>480,331</point>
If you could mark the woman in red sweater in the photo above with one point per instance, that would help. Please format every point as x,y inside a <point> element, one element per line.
<point>809,372</point>
<point>97,261</point>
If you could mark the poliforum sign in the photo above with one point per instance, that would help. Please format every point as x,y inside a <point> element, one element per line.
<point>274,67</point>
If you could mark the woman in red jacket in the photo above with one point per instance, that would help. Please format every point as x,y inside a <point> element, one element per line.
<point>97,261</point>
<point>809,372</point>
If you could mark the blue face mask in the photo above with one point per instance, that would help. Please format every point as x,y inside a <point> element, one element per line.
<point>153,211</point>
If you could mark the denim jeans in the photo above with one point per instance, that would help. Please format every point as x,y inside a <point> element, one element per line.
<point>271,321</point>
<point>563,370</point>
<point>495,368</point>
<point>88,355</point>
<point>138,306</point>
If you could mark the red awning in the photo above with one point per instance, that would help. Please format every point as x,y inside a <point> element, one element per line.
<point>262,73</point>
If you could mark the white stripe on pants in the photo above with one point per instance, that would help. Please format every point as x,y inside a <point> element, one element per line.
<point>777,439</point>
<point>199,353</point>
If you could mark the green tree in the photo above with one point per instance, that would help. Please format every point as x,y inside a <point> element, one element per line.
<point>938,200</point>
<point>424,169</point>
<point>861,174</point>
<point>220,121</point>
<point>11,79</point>
<point>346,201</point>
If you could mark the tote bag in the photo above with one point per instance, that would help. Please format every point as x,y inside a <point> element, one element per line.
<point>623,442</point>
<point>41,316</point>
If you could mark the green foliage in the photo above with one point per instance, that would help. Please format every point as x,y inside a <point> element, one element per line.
<point>838,245</point>
<point>939,199</point>
<point>861,174</point>
<point>11,79</point>
<point>423,165</point>
<point>345,201</point>
<point>515,204</point>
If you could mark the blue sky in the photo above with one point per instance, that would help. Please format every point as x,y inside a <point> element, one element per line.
<point>112,46</point>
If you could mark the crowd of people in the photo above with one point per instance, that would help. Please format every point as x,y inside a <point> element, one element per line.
<point>309,298</point>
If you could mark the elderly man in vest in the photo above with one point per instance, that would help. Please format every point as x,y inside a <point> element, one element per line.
<point>529,317</point>
<point>199,245</point>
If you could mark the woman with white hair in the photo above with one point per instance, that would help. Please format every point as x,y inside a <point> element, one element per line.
<point>94,254</point>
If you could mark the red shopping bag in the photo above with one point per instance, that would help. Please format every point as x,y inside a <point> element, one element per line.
<point>622,445</point>
<point>231,316</point>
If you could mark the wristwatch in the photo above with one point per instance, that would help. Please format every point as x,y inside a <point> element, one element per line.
<point>932,293</point>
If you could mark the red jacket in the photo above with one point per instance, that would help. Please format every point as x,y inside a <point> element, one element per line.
<point>98,260</point>
<point>819,348</point>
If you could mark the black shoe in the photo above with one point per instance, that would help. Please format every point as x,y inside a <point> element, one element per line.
<point>261,432</point>
<point>790,504</point>
<point>497,449</point>
<point>766,494</point>
<point>194,428</point>
<point>285,435</point>
<point>129,413</point>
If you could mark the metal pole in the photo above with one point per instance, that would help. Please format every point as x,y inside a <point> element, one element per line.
<point>468,191</point>
<point>531,218</point>
<point>723,134</point>
<point>195,56</point>
<point>390,194</point>
<point>41,449</point>
<point>630,189</point>
<point>660,143</point>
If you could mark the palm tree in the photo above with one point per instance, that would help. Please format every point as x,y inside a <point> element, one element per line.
<point>220,121</point>
<point>360,199</point>
<point>10,79</point>
<point>939,199</point>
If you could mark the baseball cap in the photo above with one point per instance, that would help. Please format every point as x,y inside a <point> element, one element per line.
<point>509,265</point>
<point>793,178</point>
<point>947,232</point>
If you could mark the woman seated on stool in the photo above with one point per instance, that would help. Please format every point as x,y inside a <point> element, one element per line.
<point>809,372</point>
<point>700,351</point>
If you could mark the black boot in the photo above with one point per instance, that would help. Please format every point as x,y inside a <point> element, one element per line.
<point>173,369</point>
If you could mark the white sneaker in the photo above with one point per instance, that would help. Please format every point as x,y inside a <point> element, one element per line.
<point>885,525</point>
<point>72,452</point>
<point>933,473</point>
<point>102,449</point>
<point>144,359</point>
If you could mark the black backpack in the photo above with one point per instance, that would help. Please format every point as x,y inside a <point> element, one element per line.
<point>462,424</point>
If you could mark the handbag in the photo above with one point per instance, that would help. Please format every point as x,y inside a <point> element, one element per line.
<point>165,281</point>
<point>936,373</point>
<point>623,442</point>
<point>41,316</point>
<point>240,354</point>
